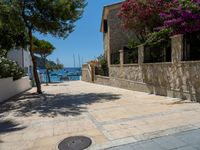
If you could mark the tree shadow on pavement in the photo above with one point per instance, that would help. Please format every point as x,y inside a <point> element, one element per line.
<point>52,105</point>
<point>9,126</point>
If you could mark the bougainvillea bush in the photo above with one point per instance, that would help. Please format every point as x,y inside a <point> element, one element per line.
<point>9,68</point>
<point>183,18</point>
<point>143,16</point>
<point>150,19</point>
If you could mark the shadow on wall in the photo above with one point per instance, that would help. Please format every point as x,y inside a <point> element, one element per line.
<point>177,78</point>
<point>52,105</point>
<point>9,126</point>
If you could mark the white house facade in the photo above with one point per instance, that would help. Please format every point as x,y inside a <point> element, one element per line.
<point>23,58</point>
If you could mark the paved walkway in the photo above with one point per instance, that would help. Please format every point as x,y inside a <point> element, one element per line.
<point>189,140</point>
<point>110,116</point>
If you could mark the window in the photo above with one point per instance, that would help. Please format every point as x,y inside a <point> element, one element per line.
<point>191,44</point>
<point>105,26</point>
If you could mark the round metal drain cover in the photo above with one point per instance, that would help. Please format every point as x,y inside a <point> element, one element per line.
<point>75,143</point>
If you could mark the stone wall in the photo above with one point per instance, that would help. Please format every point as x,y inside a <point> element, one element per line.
<point>172,78</point>
<point>181,81</point>
<point>87,73</point>
<point>118,36</point>
<point>122,83</point>
<point>175,79</point>
<point>102,80</point>
<point>128,72</point>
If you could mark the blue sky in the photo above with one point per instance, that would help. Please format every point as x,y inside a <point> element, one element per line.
<point>86,40</point>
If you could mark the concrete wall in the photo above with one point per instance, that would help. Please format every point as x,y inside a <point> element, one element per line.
<point>10,88</point>
<point>180,79</point>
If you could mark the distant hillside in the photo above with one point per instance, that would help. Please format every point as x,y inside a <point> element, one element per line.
<point>41,65</point>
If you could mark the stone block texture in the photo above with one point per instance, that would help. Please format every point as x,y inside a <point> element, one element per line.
<point>177,79</point>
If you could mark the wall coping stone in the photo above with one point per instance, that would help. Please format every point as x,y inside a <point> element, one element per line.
<point>126,65</point>
<point>141,45</point>
<point>99,76</point>
<point>118,65</point>
<point>158,63</point>
<point>175,36</point>
<point>190,62</point>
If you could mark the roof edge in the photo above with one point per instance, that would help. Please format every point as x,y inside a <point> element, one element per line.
<point>104,8</point>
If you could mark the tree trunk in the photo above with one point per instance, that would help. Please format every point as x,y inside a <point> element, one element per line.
<point>36,78</point>
<point>49,79</point>
<point>46,70</point>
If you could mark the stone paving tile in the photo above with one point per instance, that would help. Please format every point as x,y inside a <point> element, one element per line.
<point>170,142</point>
<point>186,148</point>
<point>149,145</point>
<point>125,147</point>
<point>110,116</point>
<point>197,146</point>
<point>139,146</point>
<point>186,137</point>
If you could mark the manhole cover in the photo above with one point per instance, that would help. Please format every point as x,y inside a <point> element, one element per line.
<point>75,143</point>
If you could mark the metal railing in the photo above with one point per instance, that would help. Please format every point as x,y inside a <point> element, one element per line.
<point>158,53</point>
<point>115,58</point>
<point>130,55</point>
<point>191,44</point>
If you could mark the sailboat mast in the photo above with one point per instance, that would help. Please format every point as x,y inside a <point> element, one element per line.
<point>74,61</point>
<point>79,60</point>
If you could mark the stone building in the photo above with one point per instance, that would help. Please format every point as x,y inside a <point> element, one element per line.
<point>114,35</point>
<point>175,72</point>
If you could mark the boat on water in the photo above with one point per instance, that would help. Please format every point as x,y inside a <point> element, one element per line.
<point>66,74</point>
<point>64,78</point>
<point>54,74</point>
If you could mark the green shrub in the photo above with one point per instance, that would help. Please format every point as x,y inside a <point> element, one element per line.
<point>132,43</point>
<point>158,38</point>
<point>103,70</point>
<point>9,68</point>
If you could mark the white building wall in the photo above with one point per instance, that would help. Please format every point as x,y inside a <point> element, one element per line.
<point>23,58</point>
<point>10,88</point>
<point>16,55</point>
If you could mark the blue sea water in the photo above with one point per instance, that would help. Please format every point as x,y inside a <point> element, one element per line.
<point>71,74</point>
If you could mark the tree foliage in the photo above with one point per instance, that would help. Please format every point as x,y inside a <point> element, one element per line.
<point>183,17</point>
<point>142,16</point>
<point>42,48</point>
<point>155,20</point>
<point>12,31</point>
<point>159,37</point>
<point>55,66</point>
<point>55,17</point>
